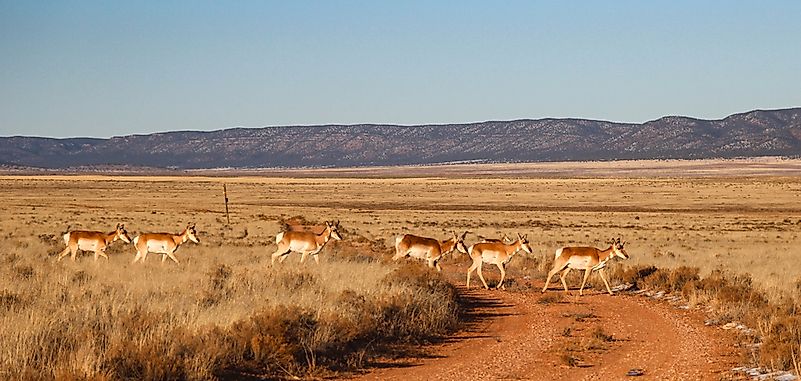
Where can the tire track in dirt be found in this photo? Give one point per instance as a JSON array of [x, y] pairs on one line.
[[513, 336]]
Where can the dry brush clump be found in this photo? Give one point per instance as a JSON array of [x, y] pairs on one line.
[[776, 318], [220, 316]]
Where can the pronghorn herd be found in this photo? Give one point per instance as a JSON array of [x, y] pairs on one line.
[[97, 242], [497, 252]]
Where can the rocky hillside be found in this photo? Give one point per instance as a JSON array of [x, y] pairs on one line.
[[755, 133]]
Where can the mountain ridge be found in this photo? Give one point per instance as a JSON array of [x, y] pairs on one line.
[[754, 133]]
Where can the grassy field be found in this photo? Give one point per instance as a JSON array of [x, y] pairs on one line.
[[108, 319]]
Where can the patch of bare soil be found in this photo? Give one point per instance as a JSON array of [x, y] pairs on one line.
[[531, 336]]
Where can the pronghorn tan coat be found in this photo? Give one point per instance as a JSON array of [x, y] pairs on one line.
[[163, 243], [587, 259], [94, 241], [497, 253], [428, 249], [305, 243]]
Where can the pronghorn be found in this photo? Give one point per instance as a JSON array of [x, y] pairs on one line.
[[497, 253], [92, 241], [428, 249], [587, 259], [163, 243], [304, 243]]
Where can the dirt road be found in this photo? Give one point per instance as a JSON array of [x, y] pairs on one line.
[[520, 336]]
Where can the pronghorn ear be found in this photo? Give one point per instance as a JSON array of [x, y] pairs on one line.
[[464, 235], [520, 237], [337, 224]]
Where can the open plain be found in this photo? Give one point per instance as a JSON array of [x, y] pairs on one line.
[[740, 223]]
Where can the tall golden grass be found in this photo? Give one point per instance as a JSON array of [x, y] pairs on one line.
[[223, 314]]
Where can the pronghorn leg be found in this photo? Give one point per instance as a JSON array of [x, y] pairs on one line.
[[584, 281], [472, 268], [481, 276], [503, 275], [316, 258], [74, 254], [163, 258], [303, 256], [102, 254], [562, 278], [548, 280], [64, 253], [439, 268], [280, 252], [603, 277], [398, 255], [136, 257], [283, 257], [171, 257]]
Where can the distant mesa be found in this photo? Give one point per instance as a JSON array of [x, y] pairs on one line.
[[754, 133]]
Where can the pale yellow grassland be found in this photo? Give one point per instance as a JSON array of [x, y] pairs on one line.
[[737, 224]]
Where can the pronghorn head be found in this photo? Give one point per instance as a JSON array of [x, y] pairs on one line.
[[524, 243], [122, 234], [191, 234], [617, 248], [458, 242], [334, 227]]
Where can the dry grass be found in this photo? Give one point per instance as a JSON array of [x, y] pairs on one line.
[[224, 314], [776, 317], [745, 230]]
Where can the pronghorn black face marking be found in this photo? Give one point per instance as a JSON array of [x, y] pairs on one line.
[[334, 230], [191, 233], [122, 233]]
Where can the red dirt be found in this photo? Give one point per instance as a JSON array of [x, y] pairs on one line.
[[514, 336]]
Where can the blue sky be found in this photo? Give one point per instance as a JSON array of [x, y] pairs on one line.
[[83, 68]]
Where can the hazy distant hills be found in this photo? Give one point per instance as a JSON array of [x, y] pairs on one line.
[[755, 133]]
